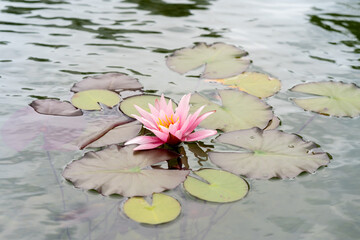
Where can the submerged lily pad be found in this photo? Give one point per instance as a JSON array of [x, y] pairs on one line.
[[221, 60], [90, 99], [239, 110], [163, 209], [55, 107], [220, 186], [120, 170], [143, 101], [26, 126], [257, 84], [331, 98], [110, 81], [268, 154]]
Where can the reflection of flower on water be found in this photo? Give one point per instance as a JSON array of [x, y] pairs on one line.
[[26, 125], [168, 126]]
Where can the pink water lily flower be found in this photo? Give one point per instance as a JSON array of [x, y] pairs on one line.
[[168, 126]]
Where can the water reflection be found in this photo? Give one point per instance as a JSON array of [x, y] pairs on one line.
[[158, 7], [342, 23]]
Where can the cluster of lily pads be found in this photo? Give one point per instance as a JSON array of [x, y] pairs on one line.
[[243, 120]]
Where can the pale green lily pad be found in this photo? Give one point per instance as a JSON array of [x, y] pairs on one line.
[[257, 84], [239, 110], [110, 81], [220, 186], [90, 99], [163, 209], [268, 154], [331, 98], [120, 170], [143, 101], [221, 60]]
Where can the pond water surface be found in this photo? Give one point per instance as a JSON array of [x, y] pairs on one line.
[[46, 46]]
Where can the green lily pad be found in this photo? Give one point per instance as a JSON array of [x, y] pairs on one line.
[[55, 107], [239, 110], [90, 99], [220, 186], [120, 170], [268, 154], [143, 101], [163, 209], [257, 84], [221, 60], [110, 81], [331, 98]]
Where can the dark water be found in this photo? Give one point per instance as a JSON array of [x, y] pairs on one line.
[[46, 46]]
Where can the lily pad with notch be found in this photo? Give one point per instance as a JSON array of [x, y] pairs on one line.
[[90, 99], [268, 154], [123, 171], [162, 209], [109, 81], [330, 98], [108, 130], [219, 186], [257, 84], [221, 60], [143, 101], [239, 110], [55, 107]]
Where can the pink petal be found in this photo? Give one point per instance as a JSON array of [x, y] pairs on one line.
[[154, 111], [160, 134], [200, 135], [169, 109], [146, 114], [197, 122], [182, 110], [149, 125], [147, 146], [192, 119], [144, 140], [162, 102]]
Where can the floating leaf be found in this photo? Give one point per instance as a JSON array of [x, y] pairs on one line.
[[108, 130], [55, 107], [273, 124], [90, 99], [268, 154], [120, 170], [220, 186], [239, 110], [143, 101], [257, 84], [118, 134], [163, 209], [110, 81], [26, 125], [331, 98], [221, 60]]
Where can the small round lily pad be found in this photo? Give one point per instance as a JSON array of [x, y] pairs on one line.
[[143, 101], [90, 99], [330, 98], [162, 209], [218, 186]]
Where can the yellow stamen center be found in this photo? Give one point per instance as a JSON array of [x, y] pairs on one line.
[[167, 121]]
